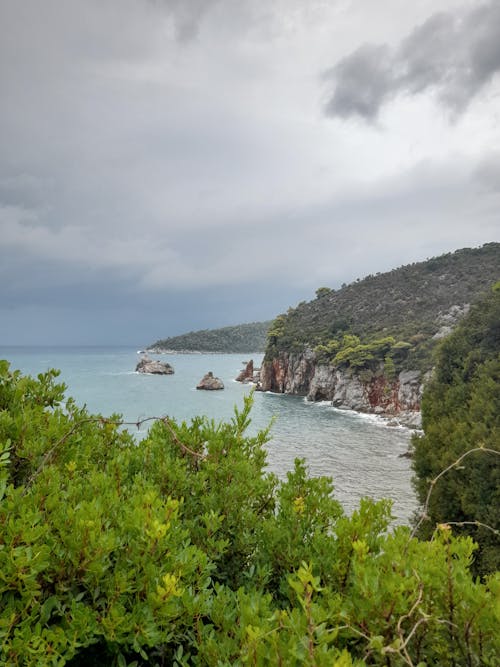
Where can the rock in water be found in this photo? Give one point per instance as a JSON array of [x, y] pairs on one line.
[[210, 382], [154, 367], [246, 374]]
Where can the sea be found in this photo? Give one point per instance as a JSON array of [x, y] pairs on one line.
[[361, 453]]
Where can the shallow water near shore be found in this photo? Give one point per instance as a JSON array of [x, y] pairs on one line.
[[360, 452]]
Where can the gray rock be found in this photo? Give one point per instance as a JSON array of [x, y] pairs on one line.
[[153, 367], [322, 386], [448, 320], [410, 391], [443, 332], [410, 419], [210, 383], [350, 391]]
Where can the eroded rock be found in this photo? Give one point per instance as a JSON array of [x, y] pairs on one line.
[[210, 382], [246, 375], [154, 367]]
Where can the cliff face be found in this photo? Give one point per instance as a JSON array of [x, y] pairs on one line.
[[288, 373], [301, 375], [348, 345]]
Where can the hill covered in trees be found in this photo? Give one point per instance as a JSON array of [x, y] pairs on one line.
[[243, 338], [398, 315], [460, 413]]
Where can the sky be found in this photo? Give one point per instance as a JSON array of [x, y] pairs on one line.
[[174, 165]]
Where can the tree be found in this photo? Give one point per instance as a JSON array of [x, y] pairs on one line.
[[461, 412], [323, 291]]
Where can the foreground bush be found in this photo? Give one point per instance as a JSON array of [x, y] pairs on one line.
[[182, 550]]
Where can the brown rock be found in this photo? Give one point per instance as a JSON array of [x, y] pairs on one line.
[[246, 374], [210, 382]]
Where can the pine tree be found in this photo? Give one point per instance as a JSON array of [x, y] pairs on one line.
[[461, 412]]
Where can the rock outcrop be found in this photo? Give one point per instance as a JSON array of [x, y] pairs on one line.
[[249, 374], [210, 382], [246, 375], [289, 373], [300, 374], [448, 320], [153, 367]]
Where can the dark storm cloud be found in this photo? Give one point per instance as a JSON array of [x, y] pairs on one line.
[[454, 55], [364, 80], [186, 14]]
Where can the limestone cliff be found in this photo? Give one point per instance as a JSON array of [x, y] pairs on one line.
[[300, 374]]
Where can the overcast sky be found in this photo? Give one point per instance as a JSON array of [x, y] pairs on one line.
[[168, 165]]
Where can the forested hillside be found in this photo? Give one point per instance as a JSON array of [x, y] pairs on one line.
[[240, 338], [460, 413], [401, 313]]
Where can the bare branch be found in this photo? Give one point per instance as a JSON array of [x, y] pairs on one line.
[[478, 524], [102, 420], [424, 515]]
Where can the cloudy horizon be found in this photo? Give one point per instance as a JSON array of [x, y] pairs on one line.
[[173, 165]]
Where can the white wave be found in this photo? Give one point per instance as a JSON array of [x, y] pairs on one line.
[[117, 373], [321, 404], [377, 420]]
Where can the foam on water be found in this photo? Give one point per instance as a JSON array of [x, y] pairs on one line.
[[376, 420]]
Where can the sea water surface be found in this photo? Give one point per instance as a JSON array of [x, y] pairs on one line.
[[361, 453]]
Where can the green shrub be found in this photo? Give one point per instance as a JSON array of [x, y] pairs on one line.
[[182, 550]]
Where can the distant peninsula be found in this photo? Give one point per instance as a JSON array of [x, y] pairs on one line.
[[241, 338]]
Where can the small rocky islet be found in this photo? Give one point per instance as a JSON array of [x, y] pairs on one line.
[[249, 374], [210, 383], [150, 366]]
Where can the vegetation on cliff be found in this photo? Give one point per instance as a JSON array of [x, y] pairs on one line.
[[242, 338], [395, 317], [461, 412], [181, 550]]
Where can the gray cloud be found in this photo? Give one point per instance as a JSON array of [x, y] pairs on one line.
[[453, 55], [364, 81], [487, 172], [163, 165], [187, 15]]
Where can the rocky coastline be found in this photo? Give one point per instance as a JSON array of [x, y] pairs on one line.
[[300, 374]]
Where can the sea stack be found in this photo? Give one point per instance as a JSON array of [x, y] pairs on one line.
[[210, 382], [153, 367], [246, 375]]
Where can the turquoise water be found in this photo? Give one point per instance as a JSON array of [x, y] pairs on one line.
[[361, 453]]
